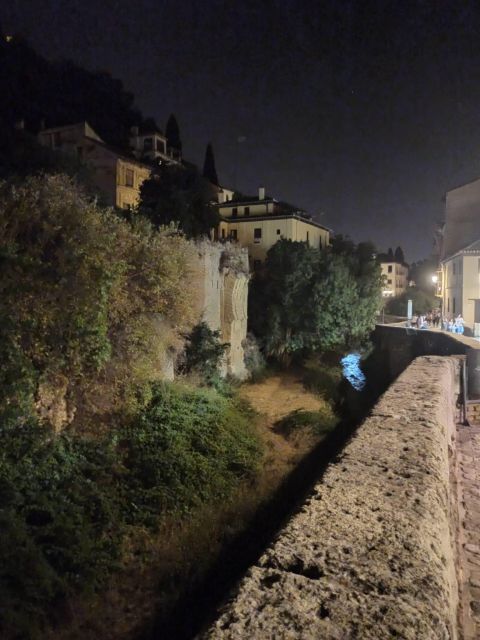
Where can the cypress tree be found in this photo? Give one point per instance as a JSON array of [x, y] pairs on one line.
[[209, 171], [172, 132]]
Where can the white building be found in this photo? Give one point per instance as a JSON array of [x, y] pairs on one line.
[[260, 222], [395, 278]]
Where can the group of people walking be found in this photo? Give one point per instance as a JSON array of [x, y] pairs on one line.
[[434, 319]]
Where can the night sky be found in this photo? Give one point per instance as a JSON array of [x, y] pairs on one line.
[[362, 112]]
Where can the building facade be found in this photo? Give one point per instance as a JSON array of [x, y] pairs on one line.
[[118, 176], [460, 286], [259, 223], [395, 278]]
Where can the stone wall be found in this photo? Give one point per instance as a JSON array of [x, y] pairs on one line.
[[220, 276], [370, 553]]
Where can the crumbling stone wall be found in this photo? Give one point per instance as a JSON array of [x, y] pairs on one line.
[[370, 554], [220, 276]]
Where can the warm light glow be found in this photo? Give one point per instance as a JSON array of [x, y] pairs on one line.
[[434, 279]]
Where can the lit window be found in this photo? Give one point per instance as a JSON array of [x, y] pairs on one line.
[[129, 177]]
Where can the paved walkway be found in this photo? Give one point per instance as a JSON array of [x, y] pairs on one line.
[[468, 479]]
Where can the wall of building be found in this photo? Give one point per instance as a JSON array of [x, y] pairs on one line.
[[129, 195], [273, 230], [396, 278], [462, 218], [370, 554]]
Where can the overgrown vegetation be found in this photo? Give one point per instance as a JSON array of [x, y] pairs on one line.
[[67, 502], [307, 300], [422, 302], [88, 300], [317, 422]]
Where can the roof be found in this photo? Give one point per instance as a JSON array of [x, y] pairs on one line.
[[96, 139], [472, 248]]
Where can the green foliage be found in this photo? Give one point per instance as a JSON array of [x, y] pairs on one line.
[[307, 300], [180, 195], [254, 360], [66, 502], [318, 422], [189, 446], [422, 302], [204, 351], [322, 378], [73, 277]]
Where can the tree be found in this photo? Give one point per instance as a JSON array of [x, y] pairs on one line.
[[172, 132], [306, 300], [209, 170], [180, 195], [390, 256], [422, 302], [399, 257]]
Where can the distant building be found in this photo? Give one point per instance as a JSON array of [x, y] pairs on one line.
[[151, 144], [395, 278], [118, 176], [258, 223]]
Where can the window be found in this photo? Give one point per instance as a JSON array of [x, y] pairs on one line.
[[246, 211], [223, 233], [308, 238], [160, 145], [390, 268], [233, 234], [448, 304], [453, 304], [234, 212], [129, 177], [147, 144], [278, 233], [257, 235]]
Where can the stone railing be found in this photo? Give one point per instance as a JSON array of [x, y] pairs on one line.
[[370, 554]]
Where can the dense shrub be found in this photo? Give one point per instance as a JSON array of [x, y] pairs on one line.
[[317, 422], [67, 501], [188, 446], [204, 351], [73, 277]]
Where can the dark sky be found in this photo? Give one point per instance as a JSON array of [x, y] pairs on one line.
[[362, 112]]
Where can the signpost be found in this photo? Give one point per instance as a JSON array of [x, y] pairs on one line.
[[409, 313]]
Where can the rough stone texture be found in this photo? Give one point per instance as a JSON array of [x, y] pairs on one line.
[[370, 553], [467, 475], [220, 276]]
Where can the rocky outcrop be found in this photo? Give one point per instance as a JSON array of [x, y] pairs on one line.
[[220, 276], [370, 554]]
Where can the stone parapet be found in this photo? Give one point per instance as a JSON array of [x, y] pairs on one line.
[[370, 553]]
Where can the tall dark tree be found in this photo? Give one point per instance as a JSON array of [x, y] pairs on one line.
[[181, 195], [172, 131], [399, 257], [209, 170]]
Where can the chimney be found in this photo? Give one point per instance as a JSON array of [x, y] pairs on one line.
[[261, 193]]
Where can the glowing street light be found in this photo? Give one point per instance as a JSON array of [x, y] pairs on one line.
[[434, 279]]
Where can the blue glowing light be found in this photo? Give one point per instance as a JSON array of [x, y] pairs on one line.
[[352, 371]]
